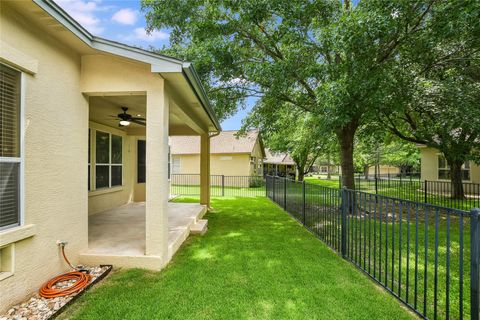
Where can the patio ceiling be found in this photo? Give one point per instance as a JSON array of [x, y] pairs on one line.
[[102, 108]]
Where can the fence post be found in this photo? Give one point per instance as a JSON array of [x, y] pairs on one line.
[[223, 185], [274, 188], [474, 264], [303, 197], [285, 194], [343, 209], [425, 189]]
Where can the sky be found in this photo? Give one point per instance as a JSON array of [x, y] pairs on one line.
[[123, 21]]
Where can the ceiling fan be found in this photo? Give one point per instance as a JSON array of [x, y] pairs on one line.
[[126, 119]]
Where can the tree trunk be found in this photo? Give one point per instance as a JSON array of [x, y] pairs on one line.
[[301, 175], [329, 175], [456, 179], [345, 136], [365, 171]]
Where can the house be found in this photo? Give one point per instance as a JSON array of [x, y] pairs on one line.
[[230, 154], [434, 167], [324, 167], [74, 165], [383, 170], [279, 164]]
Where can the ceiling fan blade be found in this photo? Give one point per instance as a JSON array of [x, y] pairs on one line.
[[138, 122], [137, 118]]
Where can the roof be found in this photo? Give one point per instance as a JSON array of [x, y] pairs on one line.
[[225, 142], [278, 158], [159, 62]]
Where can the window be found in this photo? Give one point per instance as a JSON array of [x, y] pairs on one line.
[[176, 165], [141, 154], [10, 154], [444, 169], [108, 160]]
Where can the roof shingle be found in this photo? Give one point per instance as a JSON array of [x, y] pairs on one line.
[[225, 142]]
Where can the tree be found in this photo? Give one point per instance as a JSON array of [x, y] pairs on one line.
[[290, 131], [435, 87], [376, 147], [325, 57]]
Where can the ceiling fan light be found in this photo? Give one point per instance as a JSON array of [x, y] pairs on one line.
[[124, 123]]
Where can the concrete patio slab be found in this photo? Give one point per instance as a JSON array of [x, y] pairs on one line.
[[118, 233]]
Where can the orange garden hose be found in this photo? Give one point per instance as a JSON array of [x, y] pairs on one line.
[[48, 290]]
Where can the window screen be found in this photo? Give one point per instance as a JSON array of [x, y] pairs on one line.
[[9, 147]]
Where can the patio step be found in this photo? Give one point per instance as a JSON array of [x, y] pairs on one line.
[[200, 227]]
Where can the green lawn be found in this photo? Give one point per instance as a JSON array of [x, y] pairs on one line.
[[255, 262], [403, 189], [218, 191]]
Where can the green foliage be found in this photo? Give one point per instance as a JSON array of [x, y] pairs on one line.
[[290, 131], [342, 64], [256, 182]]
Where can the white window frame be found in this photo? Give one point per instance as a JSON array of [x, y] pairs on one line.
[[21, 159], [109, 165], [448, 167]]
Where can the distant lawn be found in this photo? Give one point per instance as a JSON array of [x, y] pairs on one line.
[[255, 262], [333, 183], [408, 189]]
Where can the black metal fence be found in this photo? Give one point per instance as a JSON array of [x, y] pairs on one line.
[[427, 256], [220, 185], [414, 189]]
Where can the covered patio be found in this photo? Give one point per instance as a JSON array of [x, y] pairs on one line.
[[130, 221]]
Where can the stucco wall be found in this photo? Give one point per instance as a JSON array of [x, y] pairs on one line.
[[56, 122], [384, 169], [429, 166], [220, 164]]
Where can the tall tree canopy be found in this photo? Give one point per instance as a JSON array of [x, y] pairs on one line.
[[326, 57], [435, 91]]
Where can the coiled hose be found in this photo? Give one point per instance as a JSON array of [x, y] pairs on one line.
[[82, 279]]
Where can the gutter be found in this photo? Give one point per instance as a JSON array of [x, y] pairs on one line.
[[195, 83]]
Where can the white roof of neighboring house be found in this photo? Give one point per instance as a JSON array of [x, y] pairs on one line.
[[225, 142], [278, 158]]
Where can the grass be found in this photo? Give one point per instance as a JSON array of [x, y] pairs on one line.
[[218, 191], [255, 262], [380, 256], [403, 189]]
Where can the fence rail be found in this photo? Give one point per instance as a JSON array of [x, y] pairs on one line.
[[220, 185], [414, 189], [425, 255]]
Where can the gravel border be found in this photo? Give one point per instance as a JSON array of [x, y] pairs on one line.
[[39, 308]]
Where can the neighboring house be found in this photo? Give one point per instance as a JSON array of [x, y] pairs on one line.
[[384, 170], [324, 167], [64, 158], [434, 167], [230, 155], [279, 164]]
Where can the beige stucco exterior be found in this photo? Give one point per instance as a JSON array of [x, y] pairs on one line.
[[61, 73], [228, 164], [384, 169], [56, 120], [429, 166]]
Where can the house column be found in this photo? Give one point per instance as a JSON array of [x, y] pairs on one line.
[[157, 189], [205, 169]]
